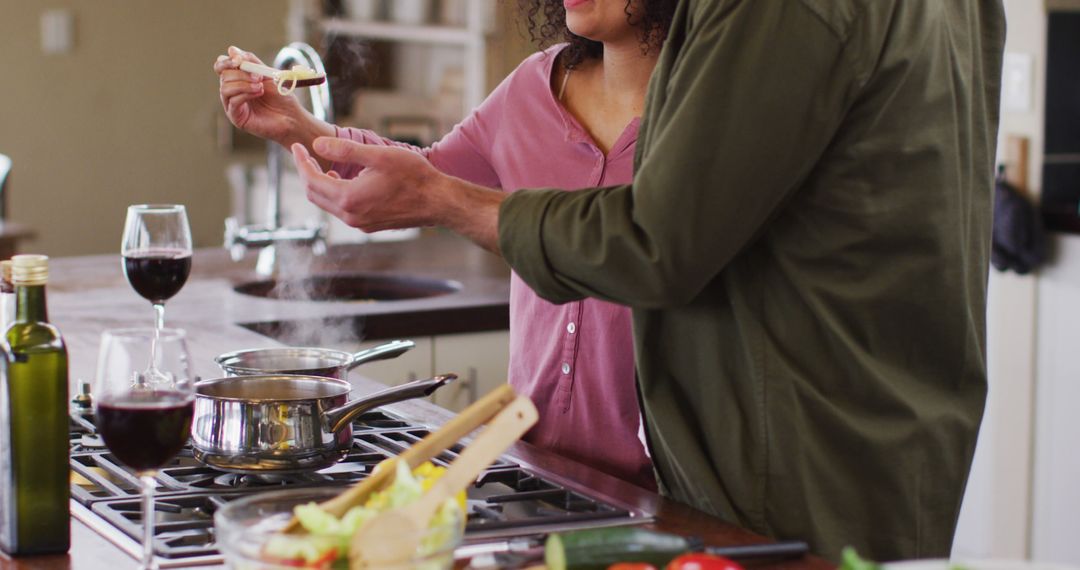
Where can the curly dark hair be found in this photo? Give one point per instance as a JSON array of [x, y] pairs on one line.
[[545, 21]]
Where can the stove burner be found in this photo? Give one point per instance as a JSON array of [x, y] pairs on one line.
[[507, 500]]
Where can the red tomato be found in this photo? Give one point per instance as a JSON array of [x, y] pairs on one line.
[[631, 566], [324, 561], [699, 561]]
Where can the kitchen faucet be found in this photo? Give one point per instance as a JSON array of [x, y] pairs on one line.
[[268, 237]]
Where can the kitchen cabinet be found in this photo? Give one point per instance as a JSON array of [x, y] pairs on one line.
[[479, 359]]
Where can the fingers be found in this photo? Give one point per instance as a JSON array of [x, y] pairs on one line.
[[319, 185], [247, 89], [237, 87], [228, 66], [224, 62], [325, 204], [306, 165], [239, 55], [234, 107]]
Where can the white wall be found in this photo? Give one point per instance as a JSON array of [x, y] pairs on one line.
[[1024, 496], [1056, 514], [994, 521], [1056, 493]]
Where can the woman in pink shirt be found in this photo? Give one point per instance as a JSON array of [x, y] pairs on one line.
[[567, 117]]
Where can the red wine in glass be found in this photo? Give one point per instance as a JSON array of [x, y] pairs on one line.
[[156, 249], [157, 274], [144, 410], [145, 430]]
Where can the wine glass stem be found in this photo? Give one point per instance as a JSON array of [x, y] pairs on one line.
[[147, 480], [159, 323], [159, 316]]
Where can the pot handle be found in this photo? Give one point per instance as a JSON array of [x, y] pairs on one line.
[[392, 349], [337, 418]]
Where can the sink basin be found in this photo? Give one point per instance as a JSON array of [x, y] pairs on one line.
[[349, 287]]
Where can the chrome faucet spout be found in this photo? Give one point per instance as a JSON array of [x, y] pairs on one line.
[[239, 238]]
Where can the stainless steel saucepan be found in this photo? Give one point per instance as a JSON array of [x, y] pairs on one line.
[[306, 361], [280, 423]]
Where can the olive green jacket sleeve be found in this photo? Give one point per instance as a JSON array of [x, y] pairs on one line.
[[737, 122]]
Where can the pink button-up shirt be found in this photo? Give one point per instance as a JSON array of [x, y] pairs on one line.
[[576, 361]]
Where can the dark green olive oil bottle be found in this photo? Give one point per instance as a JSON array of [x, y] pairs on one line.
[[34, 471]]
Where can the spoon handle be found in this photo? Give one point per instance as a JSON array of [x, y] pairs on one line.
[[499, 434], [477, 414], [393, 536], [264, 70]]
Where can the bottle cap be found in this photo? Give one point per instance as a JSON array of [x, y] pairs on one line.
[[30, 269]]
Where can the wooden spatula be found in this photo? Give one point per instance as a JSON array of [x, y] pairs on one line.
[[477, 414], [392, 537]]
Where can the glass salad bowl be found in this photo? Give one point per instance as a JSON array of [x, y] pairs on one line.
[[248, 537]]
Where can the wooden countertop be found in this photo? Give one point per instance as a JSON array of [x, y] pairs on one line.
[[89, 294]]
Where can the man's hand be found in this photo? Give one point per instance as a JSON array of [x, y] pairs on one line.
[[397, 188]]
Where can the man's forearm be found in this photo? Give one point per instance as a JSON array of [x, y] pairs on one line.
[[469, 210]]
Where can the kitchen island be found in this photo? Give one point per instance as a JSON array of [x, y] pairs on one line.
[[89, 294]]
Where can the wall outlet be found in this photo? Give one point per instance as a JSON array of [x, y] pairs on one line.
[[1016, 83], [57, 32]]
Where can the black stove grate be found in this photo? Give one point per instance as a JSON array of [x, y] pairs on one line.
[[506, 499]]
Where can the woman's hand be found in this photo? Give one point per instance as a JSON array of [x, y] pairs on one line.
[[253, 104]]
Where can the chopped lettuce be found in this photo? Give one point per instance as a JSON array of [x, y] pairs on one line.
[[328, 536], [310, 550], [850, 560]]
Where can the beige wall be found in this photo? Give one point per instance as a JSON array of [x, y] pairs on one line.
[[128, 116]]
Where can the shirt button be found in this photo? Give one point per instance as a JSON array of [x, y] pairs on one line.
[[565, 367], [570, 328]]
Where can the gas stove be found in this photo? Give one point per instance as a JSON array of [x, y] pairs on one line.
[[509, 499]]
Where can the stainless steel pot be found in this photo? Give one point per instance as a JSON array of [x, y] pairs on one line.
[[284, 423], [306, 361]]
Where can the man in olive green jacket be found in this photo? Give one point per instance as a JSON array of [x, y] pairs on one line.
[[805, 249]]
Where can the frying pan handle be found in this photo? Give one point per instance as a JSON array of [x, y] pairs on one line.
[[337, 418], [386, 351]]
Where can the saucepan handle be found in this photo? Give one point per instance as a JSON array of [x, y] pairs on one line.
[[337, 418], [392, 349]]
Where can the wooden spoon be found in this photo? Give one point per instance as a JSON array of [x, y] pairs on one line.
[[477, 414], [392, 537]]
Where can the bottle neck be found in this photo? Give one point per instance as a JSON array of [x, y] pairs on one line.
[[30, 304]]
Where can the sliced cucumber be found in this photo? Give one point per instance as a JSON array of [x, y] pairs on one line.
[[602, 547]]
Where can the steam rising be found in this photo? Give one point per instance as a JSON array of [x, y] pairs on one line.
[[350, 65], [296, 263]]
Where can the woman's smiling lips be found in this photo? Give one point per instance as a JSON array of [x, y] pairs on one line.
[[570, 4]]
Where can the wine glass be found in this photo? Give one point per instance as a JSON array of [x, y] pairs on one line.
[[145, 419], [157, 253]]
